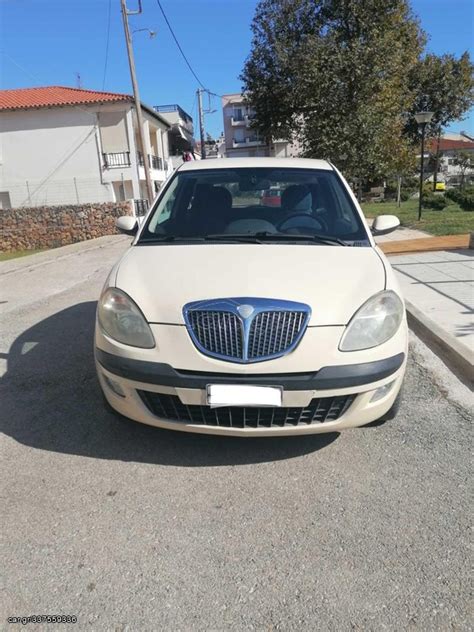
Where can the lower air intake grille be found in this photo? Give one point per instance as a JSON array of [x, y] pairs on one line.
[[319, 410]]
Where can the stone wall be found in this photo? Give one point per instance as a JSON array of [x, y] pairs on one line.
[[29, 228]]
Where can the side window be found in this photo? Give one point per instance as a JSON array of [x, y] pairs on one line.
[[344, 209], [166, 205]]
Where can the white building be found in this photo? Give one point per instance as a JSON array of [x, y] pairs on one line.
[[62, 145], [450, 146], [181, 133], [243, 141]]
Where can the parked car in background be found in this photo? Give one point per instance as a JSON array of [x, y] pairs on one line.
[[271, 197], [236, 319]]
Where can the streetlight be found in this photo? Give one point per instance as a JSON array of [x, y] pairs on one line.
[[422, 118], [151, 33]]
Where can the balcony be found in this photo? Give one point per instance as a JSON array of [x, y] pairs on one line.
[[237, 142], [238, 121], [116, 160], [250, 141], [253, 141], [241, 121], [154, 162]]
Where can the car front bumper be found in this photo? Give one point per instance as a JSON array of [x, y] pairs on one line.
[[126, 380]]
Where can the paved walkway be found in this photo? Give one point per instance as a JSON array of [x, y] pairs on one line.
[[400, 234], [440, 287]]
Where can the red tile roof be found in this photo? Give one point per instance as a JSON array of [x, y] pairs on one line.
[[53, 96], [446, 144]]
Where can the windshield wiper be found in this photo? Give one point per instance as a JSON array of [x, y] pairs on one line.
[[163, 239], [320, 239], [262, 236], [244, 238]]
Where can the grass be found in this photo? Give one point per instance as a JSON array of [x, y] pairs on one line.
[[5, 256], [451, 221]]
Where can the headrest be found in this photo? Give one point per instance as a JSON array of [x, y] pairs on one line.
[[297, 197]]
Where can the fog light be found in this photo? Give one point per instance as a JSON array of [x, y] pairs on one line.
[[114, 386], [381, 392]]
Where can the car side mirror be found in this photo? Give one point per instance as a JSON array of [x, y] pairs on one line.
[[384, 224], [127, 224]]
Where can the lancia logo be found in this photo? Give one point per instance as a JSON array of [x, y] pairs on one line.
[[245, 310]]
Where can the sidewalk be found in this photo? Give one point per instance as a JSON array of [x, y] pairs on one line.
[[438, 288]]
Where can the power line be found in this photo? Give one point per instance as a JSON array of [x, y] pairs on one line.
[[107, 46], [40, 82], [179, 46]]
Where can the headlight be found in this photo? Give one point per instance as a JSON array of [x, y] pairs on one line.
[[122, 320], [374, 323]]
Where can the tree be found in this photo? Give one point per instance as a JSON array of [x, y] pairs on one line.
[[464, 161], [335, 75], [443, 85]]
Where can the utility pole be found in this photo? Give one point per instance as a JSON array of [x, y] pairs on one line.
[[201, 123], [136, 96]]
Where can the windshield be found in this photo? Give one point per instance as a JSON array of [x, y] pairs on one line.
[[285, 205]]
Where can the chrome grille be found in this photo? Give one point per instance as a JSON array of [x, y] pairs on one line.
[[219, 332], [318, 411], [246, 329], [273, 332]]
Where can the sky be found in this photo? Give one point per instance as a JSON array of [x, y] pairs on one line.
[[47, 42]]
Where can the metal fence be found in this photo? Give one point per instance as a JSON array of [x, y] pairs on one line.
[[117, 159], [141, 206]]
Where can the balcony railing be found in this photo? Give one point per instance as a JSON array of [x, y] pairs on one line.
[[116, 160], [141, 207], [254, 140], [250, 140], [245, 119], [238, 120], [155, 162]]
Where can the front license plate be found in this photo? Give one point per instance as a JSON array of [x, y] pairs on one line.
[[241, 395]]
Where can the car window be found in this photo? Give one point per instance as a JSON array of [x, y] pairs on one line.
[[236, 201]]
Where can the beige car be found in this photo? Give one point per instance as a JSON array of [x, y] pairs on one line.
[[228, 316]]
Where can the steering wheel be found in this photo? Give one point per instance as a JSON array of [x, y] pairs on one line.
[[318, 223]]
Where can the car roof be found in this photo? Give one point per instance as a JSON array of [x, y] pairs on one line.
[[275, 163]]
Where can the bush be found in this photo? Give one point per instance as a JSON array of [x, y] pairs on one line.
[[465, 198], [453, 194], [467, 202], [428, 188], [434, 202]]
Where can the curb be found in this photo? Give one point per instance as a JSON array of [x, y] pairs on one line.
[[456, 355], [55, 254]]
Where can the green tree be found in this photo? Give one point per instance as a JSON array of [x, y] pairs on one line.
[[443, 85], [464, 161], [335, 75]]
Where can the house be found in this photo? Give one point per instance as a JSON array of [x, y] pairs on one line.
[[450, 146], [62, 145], [181, 133], [241, 140]]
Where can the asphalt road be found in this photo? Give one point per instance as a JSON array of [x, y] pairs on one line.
[[135, 528]]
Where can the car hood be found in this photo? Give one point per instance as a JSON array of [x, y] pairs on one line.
[[333, 280]]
